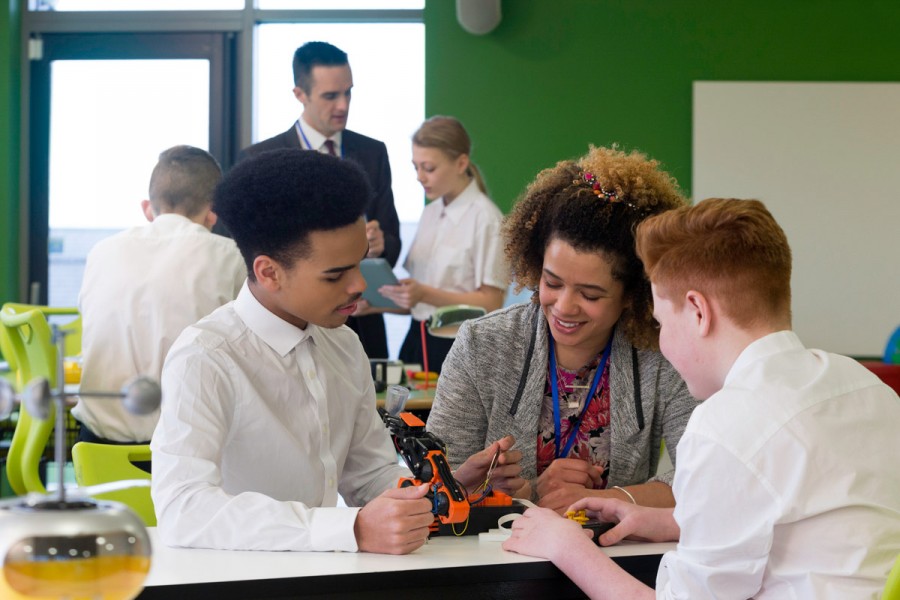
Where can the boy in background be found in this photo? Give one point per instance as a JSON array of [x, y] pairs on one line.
[[143, 286]]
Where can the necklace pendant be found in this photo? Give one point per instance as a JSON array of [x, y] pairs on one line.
[[574, 403]]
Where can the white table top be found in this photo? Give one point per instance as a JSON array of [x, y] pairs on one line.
[[179, 566]]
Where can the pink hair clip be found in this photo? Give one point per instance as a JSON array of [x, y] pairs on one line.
[[598, 189], [601, 192]]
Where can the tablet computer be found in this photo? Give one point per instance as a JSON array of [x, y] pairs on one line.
[[377, 273]]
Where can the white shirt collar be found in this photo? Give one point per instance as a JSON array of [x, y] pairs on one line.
[[172, 221], [455, 210], [316, 140], [277, 333], [774, 343]]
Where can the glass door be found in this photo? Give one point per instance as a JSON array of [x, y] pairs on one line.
[[103, 107]]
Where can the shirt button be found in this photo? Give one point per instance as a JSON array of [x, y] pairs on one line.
[[310, 374]]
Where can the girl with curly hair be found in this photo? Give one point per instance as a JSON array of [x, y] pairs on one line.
[[575, 375]]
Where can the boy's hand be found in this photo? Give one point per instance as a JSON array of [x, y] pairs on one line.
[[633, 522], [396, 522], [543, 533], [504, 477]]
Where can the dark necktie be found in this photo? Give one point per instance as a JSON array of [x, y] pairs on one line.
[[329, 145]]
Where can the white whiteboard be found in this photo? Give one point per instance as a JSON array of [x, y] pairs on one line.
[[825, 159]]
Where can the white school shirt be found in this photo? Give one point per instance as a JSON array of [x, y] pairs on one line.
[[787, 483], [141, 288], [262, 425], [458, 247]]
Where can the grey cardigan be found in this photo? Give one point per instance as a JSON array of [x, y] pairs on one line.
[[493, 380]]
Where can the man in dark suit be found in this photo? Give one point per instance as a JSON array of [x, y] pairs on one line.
[[323, 82]]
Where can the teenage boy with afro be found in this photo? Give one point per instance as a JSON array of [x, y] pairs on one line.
[[269, 409], [787, 483]]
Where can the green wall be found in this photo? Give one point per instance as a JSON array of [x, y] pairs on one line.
[[9, 151], [557, 75]]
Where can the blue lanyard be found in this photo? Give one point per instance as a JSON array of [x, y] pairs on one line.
[[306, 141], [554, 389]]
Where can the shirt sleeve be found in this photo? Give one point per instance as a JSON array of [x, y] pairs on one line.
[[192, 508], [727, 517], [490, 263], [677, 409], [372, 465]]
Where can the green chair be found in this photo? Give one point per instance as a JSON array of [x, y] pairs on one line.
[[7, 426], [104, 463], [892, 587], [71, 327], [72, 330], [30, 342], [6, 351]]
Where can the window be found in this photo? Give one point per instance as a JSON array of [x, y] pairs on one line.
[[108, 94], [339, 4], [134, 5]]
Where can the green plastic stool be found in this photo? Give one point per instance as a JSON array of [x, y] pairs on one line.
[[104, 463], [892, 587]]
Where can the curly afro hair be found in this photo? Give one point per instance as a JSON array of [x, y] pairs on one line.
[[272, 201], [560, 205]]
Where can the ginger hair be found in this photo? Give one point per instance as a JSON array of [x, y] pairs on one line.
[[727, 249]]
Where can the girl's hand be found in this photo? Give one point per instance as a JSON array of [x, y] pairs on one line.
[[406, 295]]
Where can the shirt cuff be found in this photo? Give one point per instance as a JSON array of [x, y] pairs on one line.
[[331, 528]]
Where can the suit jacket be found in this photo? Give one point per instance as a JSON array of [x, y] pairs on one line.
[[371, 155]]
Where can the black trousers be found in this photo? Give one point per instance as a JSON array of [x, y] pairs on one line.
[[372, 334]]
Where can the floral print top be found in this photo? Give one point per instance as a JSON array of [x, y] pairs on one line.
[[592, 440]]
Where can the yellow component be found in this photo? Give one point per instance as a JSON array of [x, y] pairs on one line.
[[579, 516], [95, 578], [72, 370], [422, 375]]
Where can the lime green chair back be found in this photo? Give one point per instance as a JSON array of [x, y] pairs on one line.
[[103, 463], [6, 351], [28, 335], [71, 327], [892, 587], [73, 335]]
